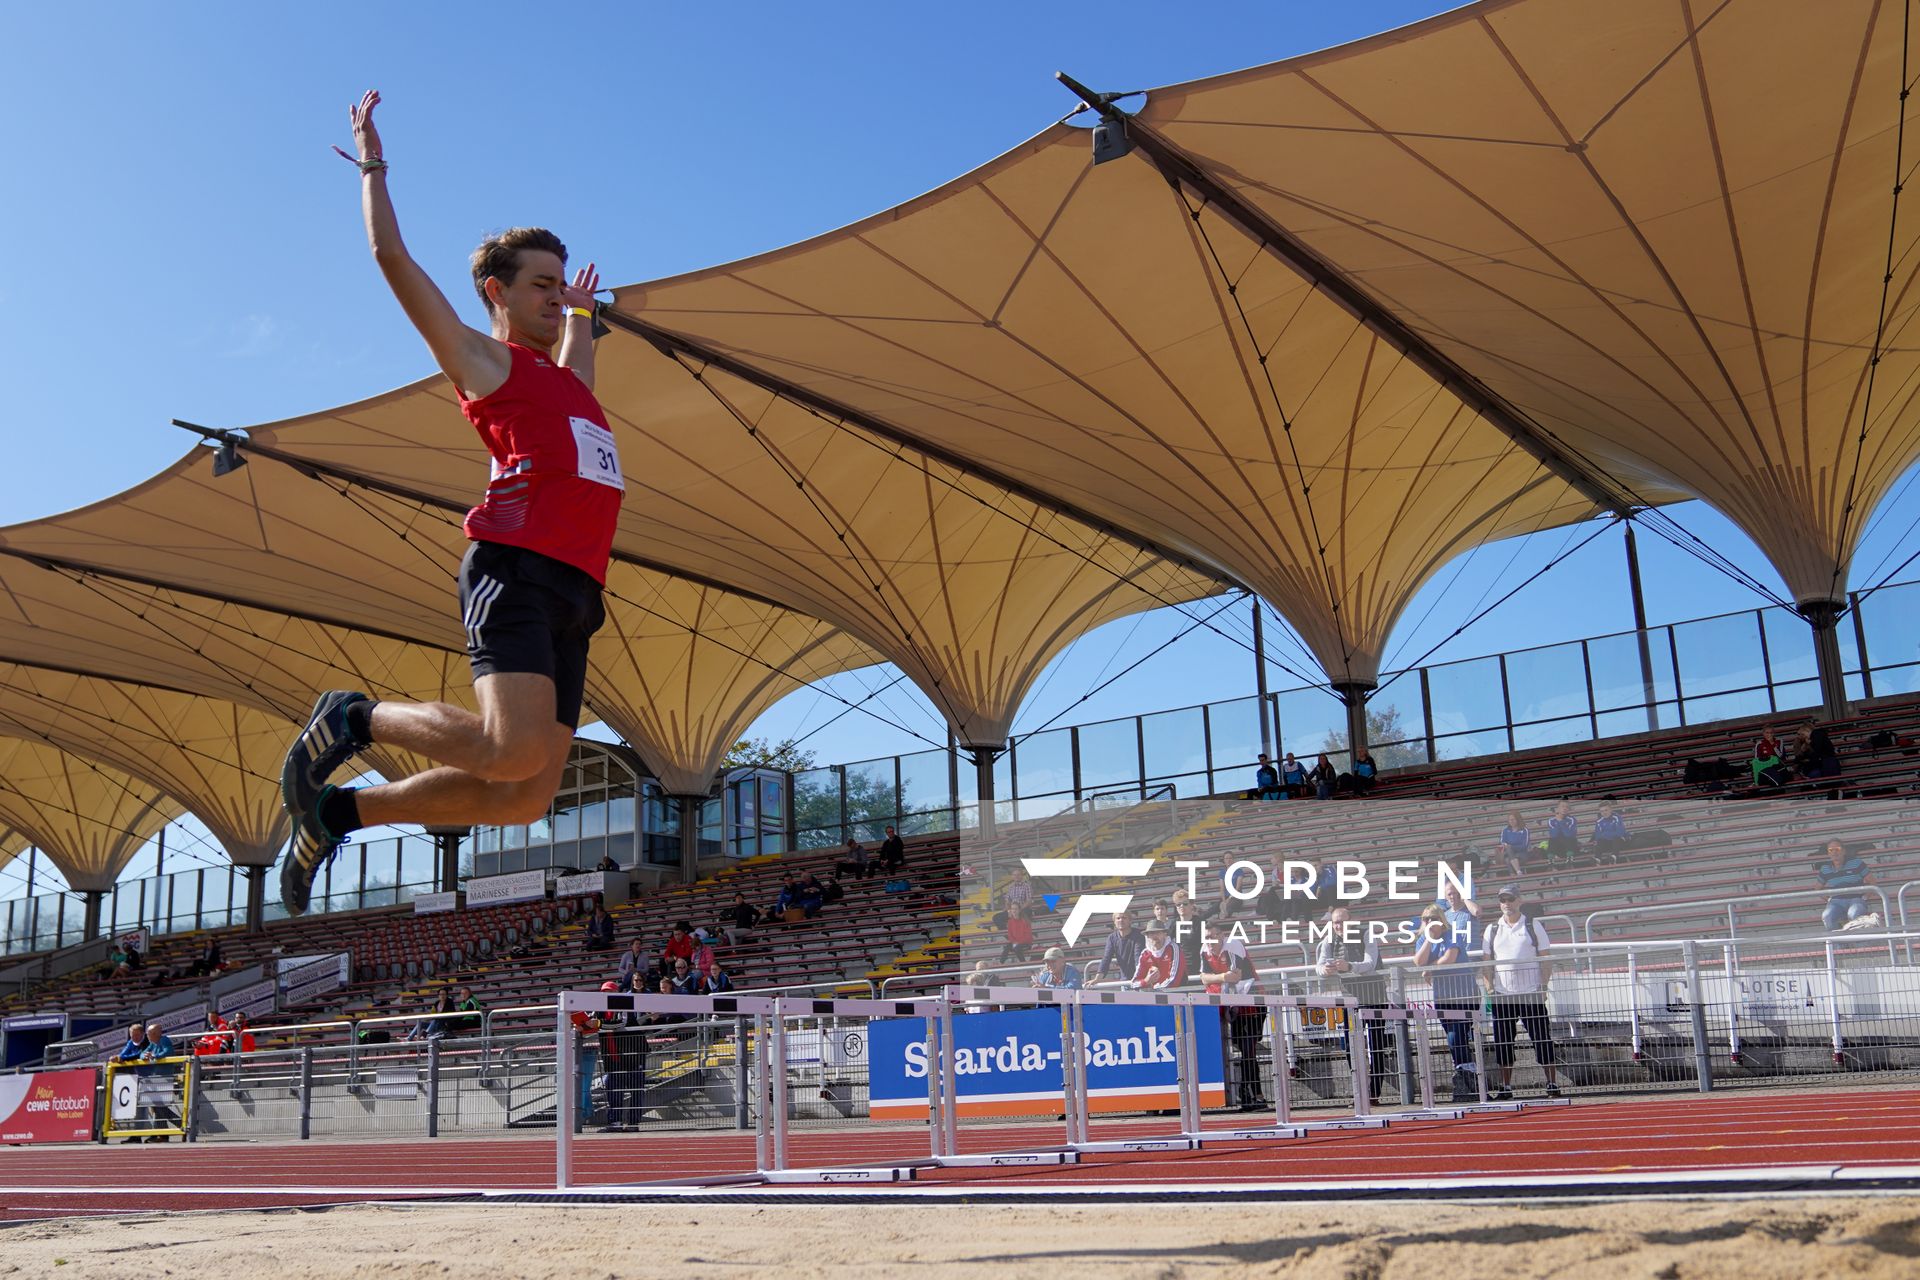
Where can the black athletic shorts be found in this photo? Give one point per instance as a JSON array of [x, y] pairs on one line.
[[525, 612]]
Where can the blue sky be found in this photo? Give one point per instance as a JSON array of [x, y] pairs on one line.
[[201, 252]]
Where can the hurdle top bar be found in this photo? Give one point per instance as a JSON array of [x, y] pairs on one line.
[[1187, 999], [629, 1002]]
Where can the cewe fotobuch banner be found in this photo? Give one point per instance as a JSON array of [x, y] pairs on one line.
[[1008, 1063], [47, 1106]]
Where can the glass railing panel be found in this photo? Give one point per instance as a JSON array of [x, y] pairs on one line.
[[1043, 763], [1175, 744], [1720, 655], [1547, 684], [1466, 698], [1109, 754]]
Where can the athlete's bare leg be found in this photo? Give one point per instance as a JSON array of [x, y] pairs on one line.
[[504, 763]]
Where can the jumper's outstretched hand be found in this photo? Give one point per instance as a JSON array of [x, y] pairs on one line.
[[586, 281], [366, 139]]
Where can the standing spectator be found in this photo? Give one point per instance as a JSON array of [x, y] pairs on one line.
[[1355, 968], [1187, 926], [1841, 871], [600, 929], [633, 960], [1443, 952], [586, 1030], [739, 920], [1056, 973], [623, 1047], [1019, 890], [1160, 966], [134, 1050], [1019, 943], [1513, 843], [853, 859], [1563, 834], [1519, 949], [207, 962], [1609, 833], [1121, 956], [893, 852], [159, 1048], [1293, 775], [1322, 777], [1246, 1024], [1266, 781]]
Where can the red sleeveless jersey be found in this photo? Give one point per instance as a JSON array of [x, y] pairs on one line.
[[556, 485]]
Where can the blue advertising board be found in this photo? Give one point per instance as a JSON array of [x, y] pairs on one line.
[[1008, 1063]]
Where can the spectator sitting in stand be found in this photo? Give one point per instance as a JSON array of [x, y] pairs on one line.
[[853, 859], [1361, 774], [1293, 776], [242, 1038], [702, 956], [1563, 835], [813, 895], [208, 961], [117, 966], [893, 852], [1160, 966], [135, 960], [679, 946], [685, 982], [1121, 955], [1322, 777], [1056, 973], [1019, 944], [214, 1040], [1841, 870], [1266, 780], [714, 979], [1609, 833], [1814, 755], [433, 1028], [606, 863], [1513, 843], [789, 899], [831, 891], [600, 929], [1768, 769], [633, 960], [739, 920]]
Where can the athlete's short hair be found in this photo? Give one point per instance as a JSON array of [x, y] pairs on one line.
[[499, 255]]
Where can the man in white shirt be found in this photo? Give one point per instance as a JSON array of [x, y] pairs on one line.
[[1518, 947]]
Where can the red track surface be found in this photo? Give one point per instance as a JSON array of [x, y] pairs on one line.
[[1858, 1128]]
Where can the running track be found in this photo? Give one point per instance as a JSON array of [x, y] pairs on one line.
[[1859, 1129]]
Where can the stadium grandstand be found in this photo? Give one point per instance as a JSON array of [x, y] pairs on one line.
[[1302, 336]]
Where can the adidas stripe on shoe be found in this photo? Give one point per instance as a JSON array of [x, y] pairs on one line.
[[323, 746]]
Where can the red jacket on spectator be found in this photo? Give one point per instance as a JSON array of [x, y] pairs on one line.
[[1166, 968], [679, 947]]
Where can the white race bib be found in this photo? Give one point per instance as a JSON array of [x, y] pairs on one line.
[[599, 459]]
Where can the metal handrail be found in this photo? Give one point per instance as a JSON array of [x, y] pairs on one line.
[[1731, 907]]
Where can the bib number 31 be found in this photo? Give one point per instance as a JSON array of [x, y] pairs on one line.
[[599, 459]]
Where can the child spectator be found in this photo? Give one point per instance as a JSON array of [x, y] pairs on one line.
[[1019, 945]]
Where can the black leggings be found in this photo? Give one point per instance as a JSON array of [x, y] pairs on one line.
[[1531, 1010]]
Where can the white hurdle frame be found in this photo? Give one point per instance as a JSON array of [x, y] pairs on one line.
[[768, 1137], [768, 1076]]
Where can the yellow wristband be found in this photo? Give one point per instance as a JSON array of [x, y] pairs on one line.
[[580, 311]]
